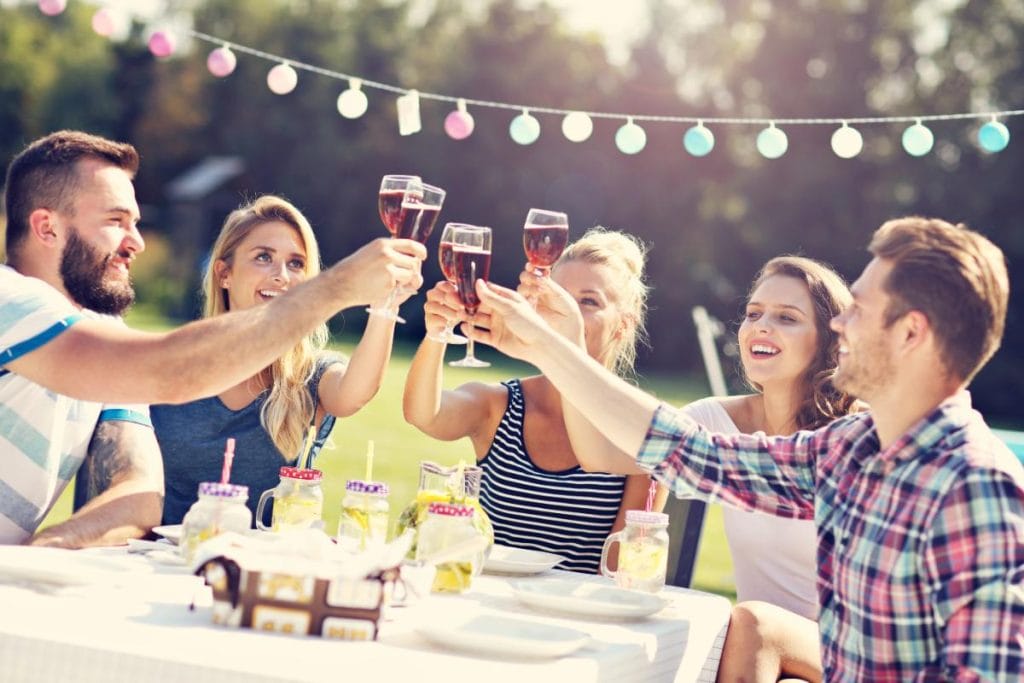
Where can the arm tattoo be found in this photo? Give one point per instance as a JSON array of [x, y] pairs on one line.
[[118, 450]]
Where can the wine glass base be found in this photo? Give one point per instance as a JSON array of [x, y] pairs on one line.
[[385, 313], [470, 362]]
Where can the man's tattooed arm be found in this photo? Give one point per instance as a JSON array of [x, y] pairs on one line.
[[120, 489]]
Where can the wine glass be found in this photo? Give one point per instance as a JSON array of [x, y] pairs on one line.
[[545, 235], [471, 249], [409, 209], [446, 256]]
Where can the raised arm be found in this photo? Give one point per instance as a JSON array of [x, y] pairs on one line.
[[445, 414], [346, 387], [559, 309], [98, 361], [124, 482], [623, 412]]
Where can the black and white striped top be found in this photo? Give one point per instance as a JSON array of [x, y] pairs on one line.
[[569, 512]]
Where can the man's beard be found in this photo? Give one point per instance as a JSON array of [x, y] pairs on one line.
[[84, 272]]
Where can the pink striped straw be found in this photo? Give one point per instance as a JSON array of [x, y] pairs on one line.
[[653, 489], [229, 455]]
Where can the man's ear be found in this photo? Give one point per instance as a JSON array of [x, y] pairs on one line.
[[915, 330], [43, 226]]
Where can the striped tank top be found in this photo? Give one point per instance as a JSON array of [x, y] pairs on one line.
[[569, 513]]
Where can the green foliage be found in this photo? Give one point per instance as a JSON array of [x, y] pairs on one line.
[[711, 221]]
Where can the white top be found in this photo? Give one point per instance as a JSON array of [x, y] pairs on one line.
[[774, 558], [44, 437]]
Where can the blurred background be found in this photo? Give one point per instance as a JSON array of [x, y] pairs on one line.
[[209, 143]]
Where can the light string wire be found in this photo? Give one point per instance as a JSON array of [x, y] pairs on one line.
[[658, 118]]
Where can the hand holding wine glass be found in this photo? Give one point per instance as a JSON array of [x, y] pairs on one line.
[[554, 303], [408, 208], [545, 235], [471, 248], [446, 257]]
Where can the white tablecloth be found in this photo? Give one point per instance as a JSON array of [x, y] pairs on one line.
[[146, 632]]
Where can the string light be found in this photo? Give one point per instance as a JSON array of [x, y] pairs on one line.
[[993, 136], [282, 79], [221, 62], [52, 8], [459, 124], [524, 129], [698, 140], [577, 125], [103, 22], [162, 44], [772, 143], [918, 139], [847, 142], [630, 138], [352, 103]]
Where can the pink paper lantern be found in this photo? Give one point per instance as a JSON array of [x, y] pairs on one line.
[[221, 62], [103, 22], [459, 124], [161, 44], [52, 8]]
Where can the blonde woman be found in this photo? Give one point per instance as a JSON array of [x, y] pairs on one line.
[[534, 490], [265, 248]]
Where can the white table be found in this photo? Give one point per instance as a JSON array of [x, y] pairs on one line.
[[147, 633]]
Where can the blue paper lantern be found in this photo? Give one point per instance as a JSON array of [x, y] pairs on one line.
[[630, 138], [699, 141], [993, 136], [772, 143], [918, 140], [524, 129]]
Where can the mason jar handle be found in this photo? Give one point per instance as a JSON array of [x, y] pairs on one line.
[[613, 538], [264, 497]]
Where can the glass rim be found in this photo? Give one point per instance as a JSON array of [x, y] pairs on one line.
[[548, 212], [465, 227]]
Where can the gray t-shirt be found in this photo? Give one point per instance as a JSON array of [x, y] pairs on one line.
[[192, 437]]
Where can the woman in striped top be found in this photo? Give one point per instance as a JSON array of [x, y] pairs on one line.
[[536, 493]]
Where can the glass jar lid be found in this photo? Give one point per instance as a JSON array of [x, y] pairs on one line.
[[300, 473], [649, 518], [374, 488]]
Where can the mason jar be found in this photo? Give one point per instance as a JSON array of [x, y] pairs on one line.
[[643, 551], [219, 508], [298, 501], [364, 515]]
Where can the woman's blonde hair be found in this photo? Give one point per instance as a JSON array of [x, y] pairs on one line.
[[626, 256], [289, 409], [830, 296]]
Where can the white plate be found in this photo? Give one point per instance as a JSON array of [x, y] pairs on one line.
[[506, 560], [587, 599], [57, 566], [488, 634], [172, 532]]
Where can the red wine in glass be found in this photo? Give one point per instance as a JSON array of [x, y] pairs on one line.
[[544, 243], [416, 221], [389, 203], [470, 265], [446, 257]]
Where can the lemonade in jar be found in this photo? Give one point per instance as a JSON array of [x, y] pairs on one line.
[[364, 515], [218, 509], [298, 501], [459, 485], [643, 551]]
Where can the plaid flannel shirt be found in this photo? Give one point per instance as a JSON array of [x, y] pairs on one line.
[[920, 545]]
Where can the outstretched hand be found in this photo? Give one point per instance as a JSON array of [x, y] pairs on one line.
[[442, 306], [507, 321], [383, 264], [553, 303]]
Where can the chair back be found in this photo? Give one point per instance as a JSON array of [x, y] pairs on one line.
[[685, 523]]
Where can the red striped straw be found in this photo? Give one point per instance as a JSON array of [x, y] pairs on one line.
[[650, 495], [229, 455]]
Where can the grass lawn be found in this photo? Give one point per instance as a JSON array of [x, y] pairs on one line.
[[399, 447]]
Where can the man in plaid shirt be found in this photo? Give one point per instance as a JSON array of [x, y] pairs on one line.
[[919, 508]]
